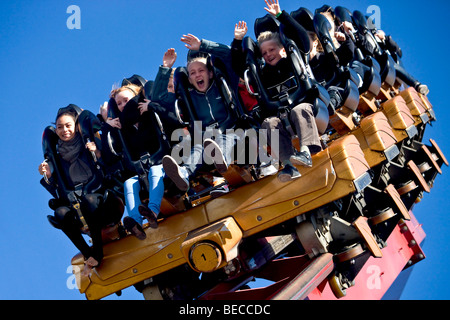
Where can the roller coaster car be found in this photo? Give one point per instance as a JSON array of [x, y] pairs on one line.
[[88, 126], [208, 237], [341, 207], [319, 213], [322, 227]]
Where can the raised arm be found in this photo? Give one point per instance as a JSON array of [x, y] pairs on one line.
[[237, 54], [218, 50], [214, 48], [169, 58], [160, 92], [293, 30]]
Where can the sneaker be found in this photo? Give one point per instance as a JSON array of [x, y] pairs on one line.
[[216, 155], [267, 170], [174, 172], [301, 158], [288, 173], [149, 215], [134, 228], [219, 191]]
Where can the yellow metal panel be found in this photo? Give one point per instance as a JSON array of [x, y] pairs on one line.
[[378, 132], [224, 234], [399, 116], [255, 207], [427, 104], [413, 101], [398, 113], [348, 158], [375, 136]]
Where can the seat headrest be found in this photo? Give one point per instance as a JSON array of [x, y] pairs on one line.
[[130, 113], [148, 89], [180, 78], [342, 14], [88, 124], [304, 17], [322, 27], [360, 21], [325, 8], [71, 108], [266, 23], [113, 110], [134, 79]]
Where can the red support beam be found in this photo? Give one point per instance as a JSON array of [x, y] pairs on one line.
[[402, 251]]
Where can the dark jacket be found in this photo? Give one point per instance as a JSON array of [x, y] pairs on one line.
[[138, 131], [164, 101], [209, 106]]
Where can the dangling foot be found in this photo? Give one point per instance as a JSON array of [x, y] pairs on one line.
[[133, 227], [266, 169], [89, 264], [302, 158], [174, 172], [149, 215], [219, 191], [288, 173]]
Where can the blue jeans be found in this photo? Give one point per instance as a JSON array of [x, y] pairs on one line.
[[156, 192]]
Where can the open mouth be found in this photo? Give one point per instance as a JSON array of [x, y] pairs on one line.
[[200, 84]]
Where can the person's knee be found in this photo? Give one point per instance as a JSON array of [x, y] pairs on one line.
[[270, 123], [61, 213], [92, 202], [93, 199], [303, 110]]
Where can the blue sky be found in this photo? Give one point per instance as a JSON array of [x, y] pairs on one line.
[[45, 66]]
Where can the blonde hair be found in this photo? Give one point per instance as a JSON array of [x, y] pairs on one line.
[[197, 59], [132, 87], [269, 35]]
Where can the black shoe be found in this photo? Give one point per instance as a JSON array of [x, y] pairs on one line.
[[216, 152], [54, 222], [288, 173], [149, 215], [173, 171], [302, 158], [134, 228]]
